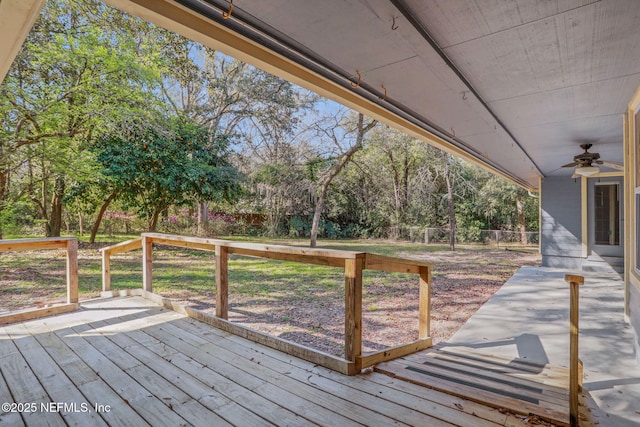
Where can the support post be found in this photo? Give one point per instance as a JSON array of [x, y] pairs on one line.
[[106, 271], [574, 362], [424, 313], [147, 260], [222, 282], [72, 271], [353, 309]]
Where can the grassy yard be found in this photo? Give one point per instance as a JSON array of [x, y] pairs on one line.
[[299, 302]]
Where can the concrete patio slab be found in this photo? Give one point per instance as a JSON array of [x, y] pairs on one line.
[[529, 318]]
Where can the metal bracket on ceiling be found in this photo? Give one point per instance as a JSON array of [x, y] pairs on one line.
[[357, 84], [227, 14], [383, 97]]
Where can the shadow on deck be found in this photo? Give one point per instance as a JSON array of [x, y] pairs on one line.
[[538, 391], [128, 361]]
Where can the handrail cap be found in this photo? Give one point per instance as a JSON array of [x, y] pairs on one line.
[[573, 278]]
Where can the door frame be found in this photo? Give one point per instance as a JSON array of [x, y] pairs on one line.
[[588, 210]]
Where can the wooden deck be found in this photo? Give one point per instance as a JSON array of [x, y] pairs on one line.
[[520, 385], [126, 361]]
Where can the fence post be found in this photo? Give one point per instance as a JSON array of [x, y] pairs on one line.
[[426, 236], [353, 309], [147, 260], [72, 271], [424, 311], [222, 282], [574, 362], [106, 271]]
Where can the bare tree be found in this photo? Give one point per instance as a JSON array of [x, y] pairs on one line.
[[342, 159]]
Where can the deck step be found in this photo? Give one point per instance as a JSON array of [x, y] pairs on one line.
[[514, 385]]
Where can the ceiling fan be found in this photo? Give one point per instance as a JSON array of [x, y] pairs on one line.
[[584, 163]]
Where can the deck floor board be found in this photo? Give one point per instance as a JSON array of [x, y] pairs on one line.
[[153, 366], [513, 384]]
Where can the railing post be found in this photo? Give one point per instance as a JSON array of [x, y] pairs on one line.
[[106, 271], [147, 260], [574, 362], [424, 313], [353, 309], [72, 271], [222, 282]]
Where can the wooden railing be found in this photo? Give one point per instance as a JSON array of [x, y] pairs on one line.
[[70, 244], [575, 365], [353, 264]]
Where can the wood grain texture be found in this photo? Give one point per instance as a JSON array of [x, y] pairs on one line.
[[353, 310], [222, 282], [155, 366]]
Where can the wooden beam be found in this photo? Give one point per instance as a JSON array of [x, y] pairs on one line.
[[185, 242], [395, 265], [393, 352], [14, 245], [37, 313], [106, 271], [72, 271], [424, 312], [353, 309], [222, 282], [321, 256], [574, 363], [121, 247], [147, 264], [306, 259]]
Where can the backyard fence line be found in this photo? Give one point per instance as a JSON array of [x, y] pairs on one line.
[[441, 235]]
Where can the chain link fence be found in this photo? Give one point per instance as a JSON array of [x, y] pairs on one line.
[[441, 236]]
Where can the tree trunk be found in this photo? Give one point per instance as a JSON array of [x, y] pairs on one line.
[[103, 209], [154, 220], [521, 220], [55, 220], [318, 212], [342, 162], [450, 201], [203, 218]]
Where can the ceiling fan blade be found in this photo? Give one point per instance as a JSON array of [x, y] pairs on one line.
[[570, 165], [613, 165], [575, 176]]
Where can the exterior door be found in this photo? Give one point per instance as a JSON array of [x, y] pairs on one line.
[[606, 218]]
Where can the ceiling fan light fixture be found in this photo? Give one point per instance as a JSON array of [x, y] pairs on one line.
[[587, 170]]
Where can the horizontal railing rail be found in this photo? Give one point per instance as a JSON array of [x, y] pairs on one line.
[[70, 245], [107, 252], [352, 262]]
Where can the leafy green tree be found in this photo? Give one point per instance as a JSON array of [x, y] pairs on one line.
[[253, 108], [74, 76], [506, 205], [155, 167]]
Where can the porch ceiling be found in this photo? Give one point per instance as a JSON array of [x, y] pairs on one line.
[[516, 85]]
